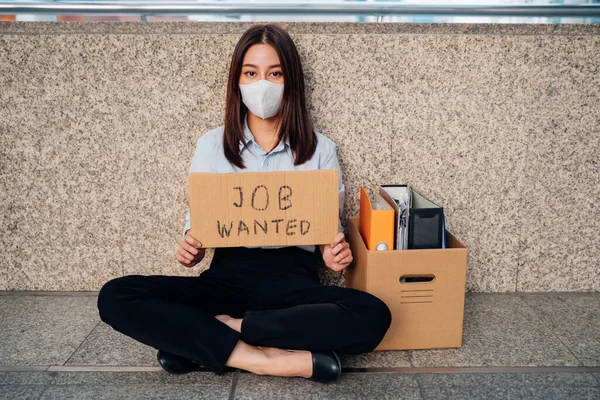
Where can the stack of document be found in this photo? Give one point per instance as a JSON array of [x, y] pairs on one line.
[[415, 221]]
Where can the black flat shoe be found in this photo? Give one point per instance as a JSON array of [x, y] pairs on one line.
[[174, 364], [326, 366]]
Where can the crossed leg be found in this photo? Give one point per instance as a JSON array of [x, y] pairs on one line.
[[188, 316]]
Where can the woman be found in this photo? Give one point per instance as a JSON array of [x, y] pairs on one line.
[[261, 309]]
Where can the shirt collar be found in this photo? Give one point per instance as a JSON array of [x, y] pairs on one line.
[[250, 138]]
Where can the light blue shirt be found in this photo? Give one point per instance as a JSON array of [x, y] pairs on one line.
[[209, 157]]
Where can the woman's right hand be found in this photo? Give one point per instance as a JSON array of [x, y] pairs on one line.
[[190, 251]]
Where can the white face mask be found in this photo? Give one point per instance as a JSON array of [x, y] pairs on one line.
[[262, 98]]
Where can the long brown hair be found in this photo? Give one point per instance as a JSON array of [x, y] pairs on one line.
[[295, 122]]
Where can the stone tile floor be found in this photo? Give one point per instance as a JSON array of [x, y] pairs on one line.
[[515, 346]]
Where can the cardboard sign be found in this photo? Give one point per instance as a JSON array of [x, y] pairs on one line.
[[280, 208]]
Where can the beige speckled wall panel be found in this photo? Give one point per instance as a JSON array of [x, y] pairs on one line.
[[562, 170], [459, 139], [98, 123]]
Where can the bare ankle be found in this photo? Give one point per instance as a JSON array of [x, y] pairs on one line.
[[270, 360], [236, 323], [247, 357], [287, 363], [233, 323]]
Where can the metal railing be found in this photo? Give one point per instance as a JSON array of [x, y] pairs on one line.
[[109, 7]]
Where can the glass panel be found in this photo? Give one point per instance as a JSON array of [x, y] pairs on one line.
[[372, 11]]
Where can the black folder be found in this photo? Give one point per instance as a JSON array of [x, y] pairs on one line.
[[426, 225]]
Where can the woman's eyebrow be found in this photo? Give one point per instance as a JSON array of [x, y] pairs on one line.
[[270, 66]]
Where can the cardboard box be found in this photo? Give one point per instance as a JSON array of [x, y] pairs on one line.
[[277, 208], [425, 315]]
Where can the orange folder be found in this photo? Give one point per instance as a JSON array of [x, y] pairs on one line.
[[376, 221]]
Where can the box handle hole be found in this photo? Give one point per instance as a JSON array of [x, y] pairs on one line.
[[417, 278]]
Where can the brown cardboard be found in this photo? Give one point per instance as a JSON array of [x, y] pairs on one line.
[[264, 208], [425, 315]]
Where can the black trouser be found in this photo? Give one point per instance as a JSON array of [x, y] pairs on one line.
[[276, 291]]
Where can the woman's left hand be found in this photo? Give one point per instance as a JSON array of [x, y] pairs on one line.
[[337, 254]]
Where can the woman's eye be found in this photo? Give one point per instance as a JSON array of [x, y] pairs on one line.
[[252, 72]]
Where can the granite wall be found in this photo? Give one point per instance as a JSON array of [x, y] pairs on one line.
[[497, 123]]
